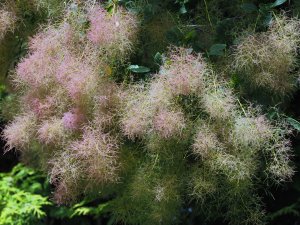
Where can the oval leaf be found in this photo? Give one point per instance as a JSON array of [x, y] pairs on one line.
[[249, 7], [278, 3], [138, 69], [294, 123], [217, 49]]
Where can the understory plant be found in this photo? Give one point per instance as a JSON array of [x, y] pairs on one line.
[[21, 203], [25, 201], [180, 139]]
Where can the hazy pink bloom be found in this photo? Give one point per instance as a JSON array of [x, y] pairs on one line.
[[179, 83], [112, 31], [169, 123], [102, 28], [103, 100], [251, 131], [73, 119], [185, 73], [65, 173], [138, 113], [46, 51], [52, 40], [18, 133], [42, 107], [52, 132], [35, 70], [75, 76], [219, 103], [136, 125], [99, 152]]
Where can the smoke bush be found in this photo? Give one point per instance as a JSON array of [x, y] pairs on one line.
[[155, 146], [7, 21], [232, 143], [66, 100], [19, 132], [267, 60], [52, 131], [109, 31]]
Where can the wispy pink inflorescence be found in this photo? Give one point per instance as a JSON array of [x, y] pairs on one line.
[[36, 70], [99, 152], [46, 50], [116, 30], [52, 132], [102, 29], [76, 76], [18, 133], [185, 74], [52, 40], [42, 108], [65, 173], [65, 92], [206, 142], [251, 131], [136, 126], [73, 119], [219, 102], [169, 123]]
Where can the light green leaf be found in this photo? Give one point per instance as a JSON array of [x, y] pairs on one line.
[[278, 3], [182, 9], [138, 69], [294, 123]]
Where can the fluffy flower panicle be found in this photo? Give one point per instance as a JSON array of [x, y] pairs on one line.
[[18, 134], [186, 72], [52, 131], [169, 123], [7, 21], [112, 31], [73, 119]]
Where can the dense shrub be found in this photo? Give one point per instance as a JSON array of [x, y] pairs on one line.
[[181, 139], [68, 101]]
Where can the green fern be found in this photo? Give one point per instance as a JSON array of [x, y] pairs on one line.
[[19, 203]]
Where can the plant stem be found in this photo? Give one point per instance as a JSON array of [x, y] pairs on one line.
[[207, 13]]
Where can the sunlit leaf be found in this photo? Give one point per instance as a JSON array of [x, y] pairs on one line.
[[294, 123], [278, 3], [138, 69]]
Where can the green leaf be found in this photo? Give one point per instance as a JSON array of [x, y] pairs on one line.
[[278, 3], [190, 35], [182, 9], [138, 69], [83, 211], [294, 123], [158, 58], [217, 49], [249, 7], [267, 19]]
